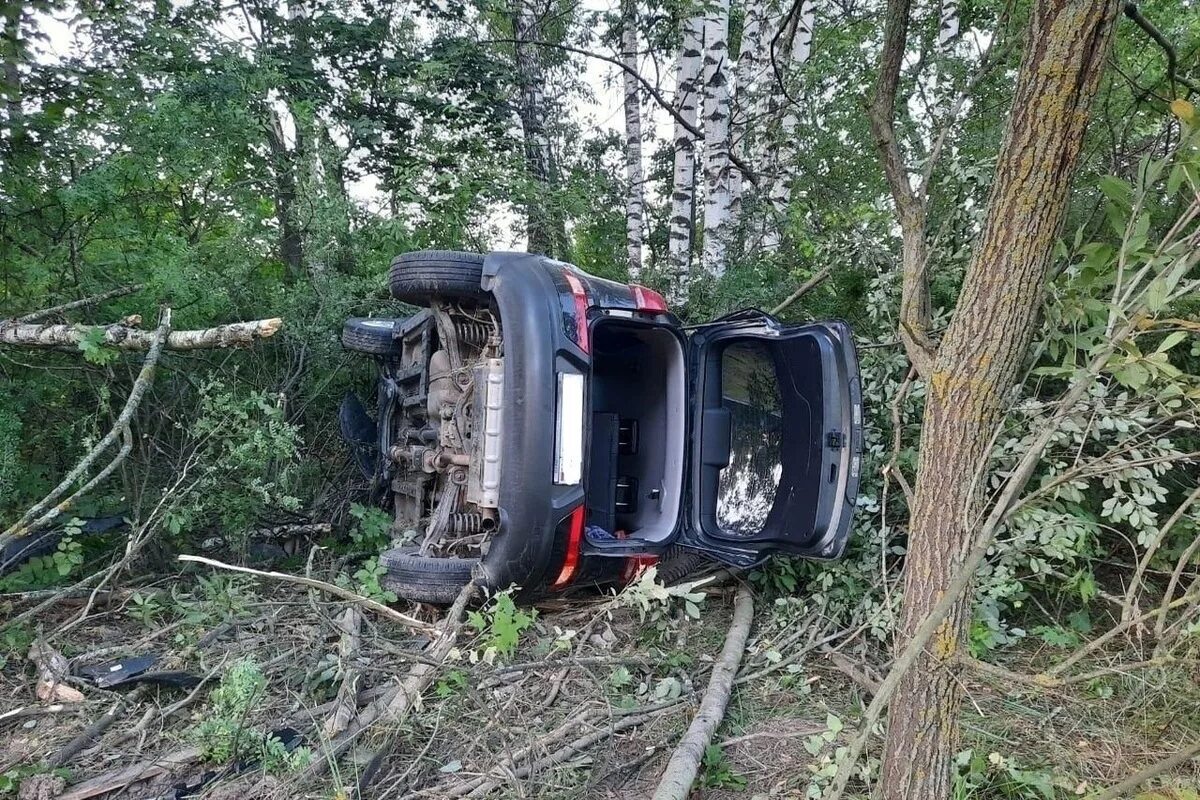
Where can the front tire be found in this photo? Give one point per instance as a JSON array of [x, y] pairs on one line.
[[420, 276]]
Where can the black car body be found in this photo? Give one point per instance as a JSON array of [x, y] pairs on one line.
[[606, 433]]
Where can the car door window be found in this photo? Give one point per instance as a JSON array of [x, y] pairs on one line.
[[750, 392]]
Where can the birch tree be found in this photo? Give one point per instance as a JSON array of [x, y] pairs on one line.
[[718, 215], [797, 54], [635, 192], [683, 178]]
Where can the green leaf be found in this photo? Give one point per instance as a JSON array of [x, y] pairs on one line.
[[1170, 341]]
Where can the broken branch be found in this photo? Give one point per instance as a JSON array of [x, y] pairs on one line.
[[125, 337], [96, 299], [328, 588]]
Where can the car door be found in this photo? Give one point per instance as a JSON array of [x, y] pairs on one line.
[[775, 439]]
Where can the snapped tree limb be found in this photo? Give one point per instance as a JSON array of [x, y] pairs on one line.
[[126, 337]]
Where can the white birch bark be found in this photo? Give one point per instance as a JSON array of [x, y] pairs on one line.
[[683, 181], [634, 196], [718, 219], [780, 193], [749, 88], [947, 33]]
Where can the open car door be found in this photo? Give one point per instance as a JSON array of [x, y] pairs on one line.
[[776, 439]]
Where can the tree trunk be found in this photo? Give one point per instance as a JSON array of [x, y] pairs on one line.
[[291, 248], [544, 226], [780, 193], [634, 196], [683, 181], [749, 89], [718, 220], [978, 363], [11, 57]]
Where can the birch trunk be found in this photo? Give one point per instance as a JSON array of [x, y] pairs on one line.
[[541, 222], [683, 180], [718, 221], [634, 197], [125, 337], [749, 87], [977, 365], [779, 196]]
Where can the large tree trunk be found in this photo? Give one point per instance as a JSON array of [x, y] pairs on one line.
[[683, 181], [291, 245], [978, 363], [544, 225], [634, 193], [718, 218]]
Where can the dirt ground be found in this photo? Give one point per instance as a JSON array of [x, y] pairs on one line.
[[585, 668]]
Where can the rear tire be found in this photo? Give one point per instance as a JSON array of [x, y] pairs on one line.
[[373, 336], [424, 579], [420, 276]]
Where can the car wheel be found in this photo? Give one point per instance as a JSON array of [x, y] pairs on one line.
[[420, 276], [678, 564], [373, 336], [425, 579]]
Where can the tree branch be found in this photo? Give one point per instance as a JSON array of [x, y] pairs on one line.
[[1135, 14], [734, 158], [35, 316], [911, 211], [125, 337]]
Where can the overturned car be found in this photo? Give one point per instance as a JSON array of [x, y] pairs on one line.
[[539, 426]]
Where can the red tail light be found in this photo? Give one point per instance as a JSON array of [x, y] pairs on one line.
[[574, 545]]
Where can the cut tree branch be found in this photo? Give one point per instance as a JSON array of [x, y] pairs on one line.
[[125, 337], [677, 778]]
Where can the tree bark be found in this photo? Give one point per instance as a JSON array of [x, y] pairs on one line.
[[779, 195], [544, 226], [753, 62], [124, 337], [718, 218], [634, 193], [291, 246], [977, 365], [683, 181]]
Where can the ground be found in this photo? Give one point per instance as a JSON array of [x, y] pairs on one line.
[[591, 659]]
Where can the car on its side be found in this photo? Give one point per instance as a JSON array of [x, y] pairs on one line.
[[539, 426]]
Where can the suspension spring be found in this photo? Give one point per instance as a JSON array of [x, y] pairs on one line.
[[471, 523], [472, 332]]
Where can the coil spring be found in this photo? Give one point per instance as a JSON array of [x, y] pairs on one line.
[[466, 523], [473, 332]]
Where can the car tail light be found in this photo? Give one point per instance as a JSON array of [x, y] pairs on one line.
[[568, 434], [581, 307], [574, 525], [647, 299]]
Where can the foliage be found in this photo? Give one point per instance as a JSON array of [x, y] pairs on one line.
[[658, 603], [500, 624], [226, 734], [716, 772], [52, 568]]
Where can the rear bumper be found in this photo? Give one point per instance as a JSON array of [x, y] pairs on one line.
[[538, 327]]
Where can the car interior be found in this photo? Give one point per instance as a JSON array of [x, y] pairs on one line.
[[639, 411]]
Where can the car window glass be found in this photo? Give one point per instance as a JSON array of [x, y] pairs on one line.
[[750, 392]]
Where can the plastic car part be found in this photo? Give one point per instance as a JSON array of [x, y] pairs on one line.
[[425, 579], [376, 337], [421, 276]]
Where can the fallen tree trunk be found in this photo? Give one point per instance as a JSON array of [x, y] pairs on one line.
[[126, 337], [677, 778]]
